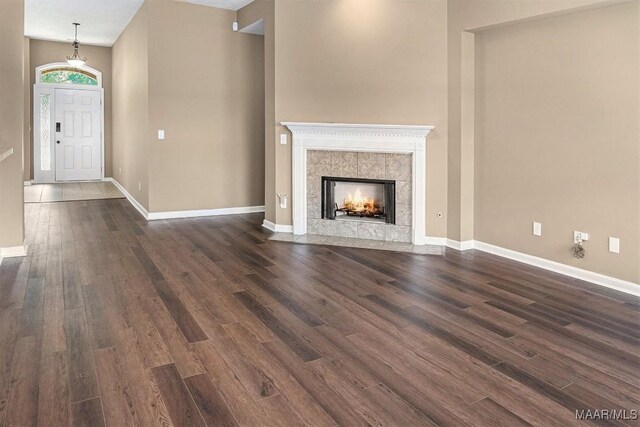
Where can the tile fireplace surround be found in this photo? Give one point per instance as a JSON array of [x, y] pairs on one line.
[[350, 164], [392, 152]]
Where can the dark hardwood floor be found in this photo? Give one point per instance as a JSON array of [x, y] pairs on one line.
[[113, 320]]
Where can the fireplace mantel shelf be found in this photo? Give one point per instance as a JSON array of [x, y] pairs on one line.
[[407, 139], [358, 129]]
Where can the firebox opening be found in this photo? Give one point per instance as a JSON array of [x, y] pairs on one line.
[[358, 199]]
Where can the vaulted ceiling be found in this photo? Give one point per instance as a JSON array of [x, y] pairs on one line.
[[101, 21]]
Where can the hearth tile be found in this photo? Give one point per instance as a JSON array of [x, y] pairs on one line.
[[403, 214], [368, 244], [398, 166], [284, 237], [403, 191], [427, 250], [312, 239], [318, 163], [344, 164], [314, 187], [369, 230], [344, 228], [339, 241], [315, 226], [397, 246], [397, 233], [371, 165], [314, 204]]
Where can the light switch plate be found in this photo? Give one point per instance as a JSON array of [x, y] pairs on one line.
[[283, 138], [537, 229], [161, 134], [614, 245]]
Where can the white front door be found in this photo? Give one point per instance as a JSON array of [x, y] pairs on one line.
[[78, 135]]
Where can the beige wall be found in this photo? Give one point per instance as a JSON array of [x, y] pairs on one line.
[[204, 86], [11, 122], [557, 139], [206, 90], [265, 10], [365, 61], [131, 108], [464, 17], [98, 57]]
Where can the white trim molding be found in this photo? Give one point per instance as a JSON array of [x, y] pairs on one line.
[[277, 228], [435, 241], [195, 213], [460, 246], [567, 270], [404, 139], [53, 65], [129, 197], [14, 251]]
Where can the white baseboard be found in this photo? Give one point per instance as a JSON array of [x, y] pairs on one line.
[[13, 251], [129, 197], [567, 270], [437, 241], [460, 246], [153, 216], [277, 228], [204, 212], [27, 183]]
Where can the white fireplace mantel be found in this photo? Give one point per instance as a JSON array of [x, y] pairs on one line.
[[406, 139]]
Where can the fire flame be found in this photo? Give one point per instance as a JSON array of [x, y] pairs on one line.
[[359, 202]]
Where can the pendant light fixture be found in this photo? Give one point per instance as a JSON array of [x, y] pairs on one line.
[[76, 60]]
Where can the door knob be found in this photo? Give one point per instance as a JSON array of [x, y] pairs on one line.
[[57, 142]]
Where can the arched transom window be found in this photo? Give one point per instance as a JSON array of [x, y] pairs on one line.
[[62, 73]]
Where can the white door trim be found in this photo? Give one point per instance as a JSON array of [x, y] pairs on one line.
[[43, 177]]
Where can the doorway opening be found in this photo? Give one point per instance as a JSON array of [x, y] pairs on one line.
[[68, 124]]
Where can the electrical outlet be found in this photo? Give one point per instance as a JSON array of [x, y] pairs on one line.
[[283, 138], [537, 229], [579, 236], [161, 134], [283, 200], [139, 186], [614, 245]]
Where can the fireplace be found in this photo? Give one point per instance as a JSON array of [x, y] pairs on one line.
[[358, 199], [393, 154]]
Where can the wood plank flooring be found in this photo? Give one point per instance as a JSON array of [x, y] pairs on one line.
[[111, 320]]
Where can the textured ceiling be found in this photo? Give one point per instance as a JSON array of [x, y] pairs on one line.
[[101, 21]]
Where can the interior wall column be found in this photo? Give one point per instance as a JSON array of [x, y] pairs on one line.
[[11, 127], [467, 134]]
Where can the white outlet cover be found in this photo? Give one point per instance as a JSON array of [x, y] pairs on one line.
[[283, 138], [537, 229], [614, 245], [161, 134], [580, 236]]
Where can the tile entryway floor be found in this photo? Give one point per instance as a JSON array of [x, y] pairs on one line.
[[42, 193], [314, 239]]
